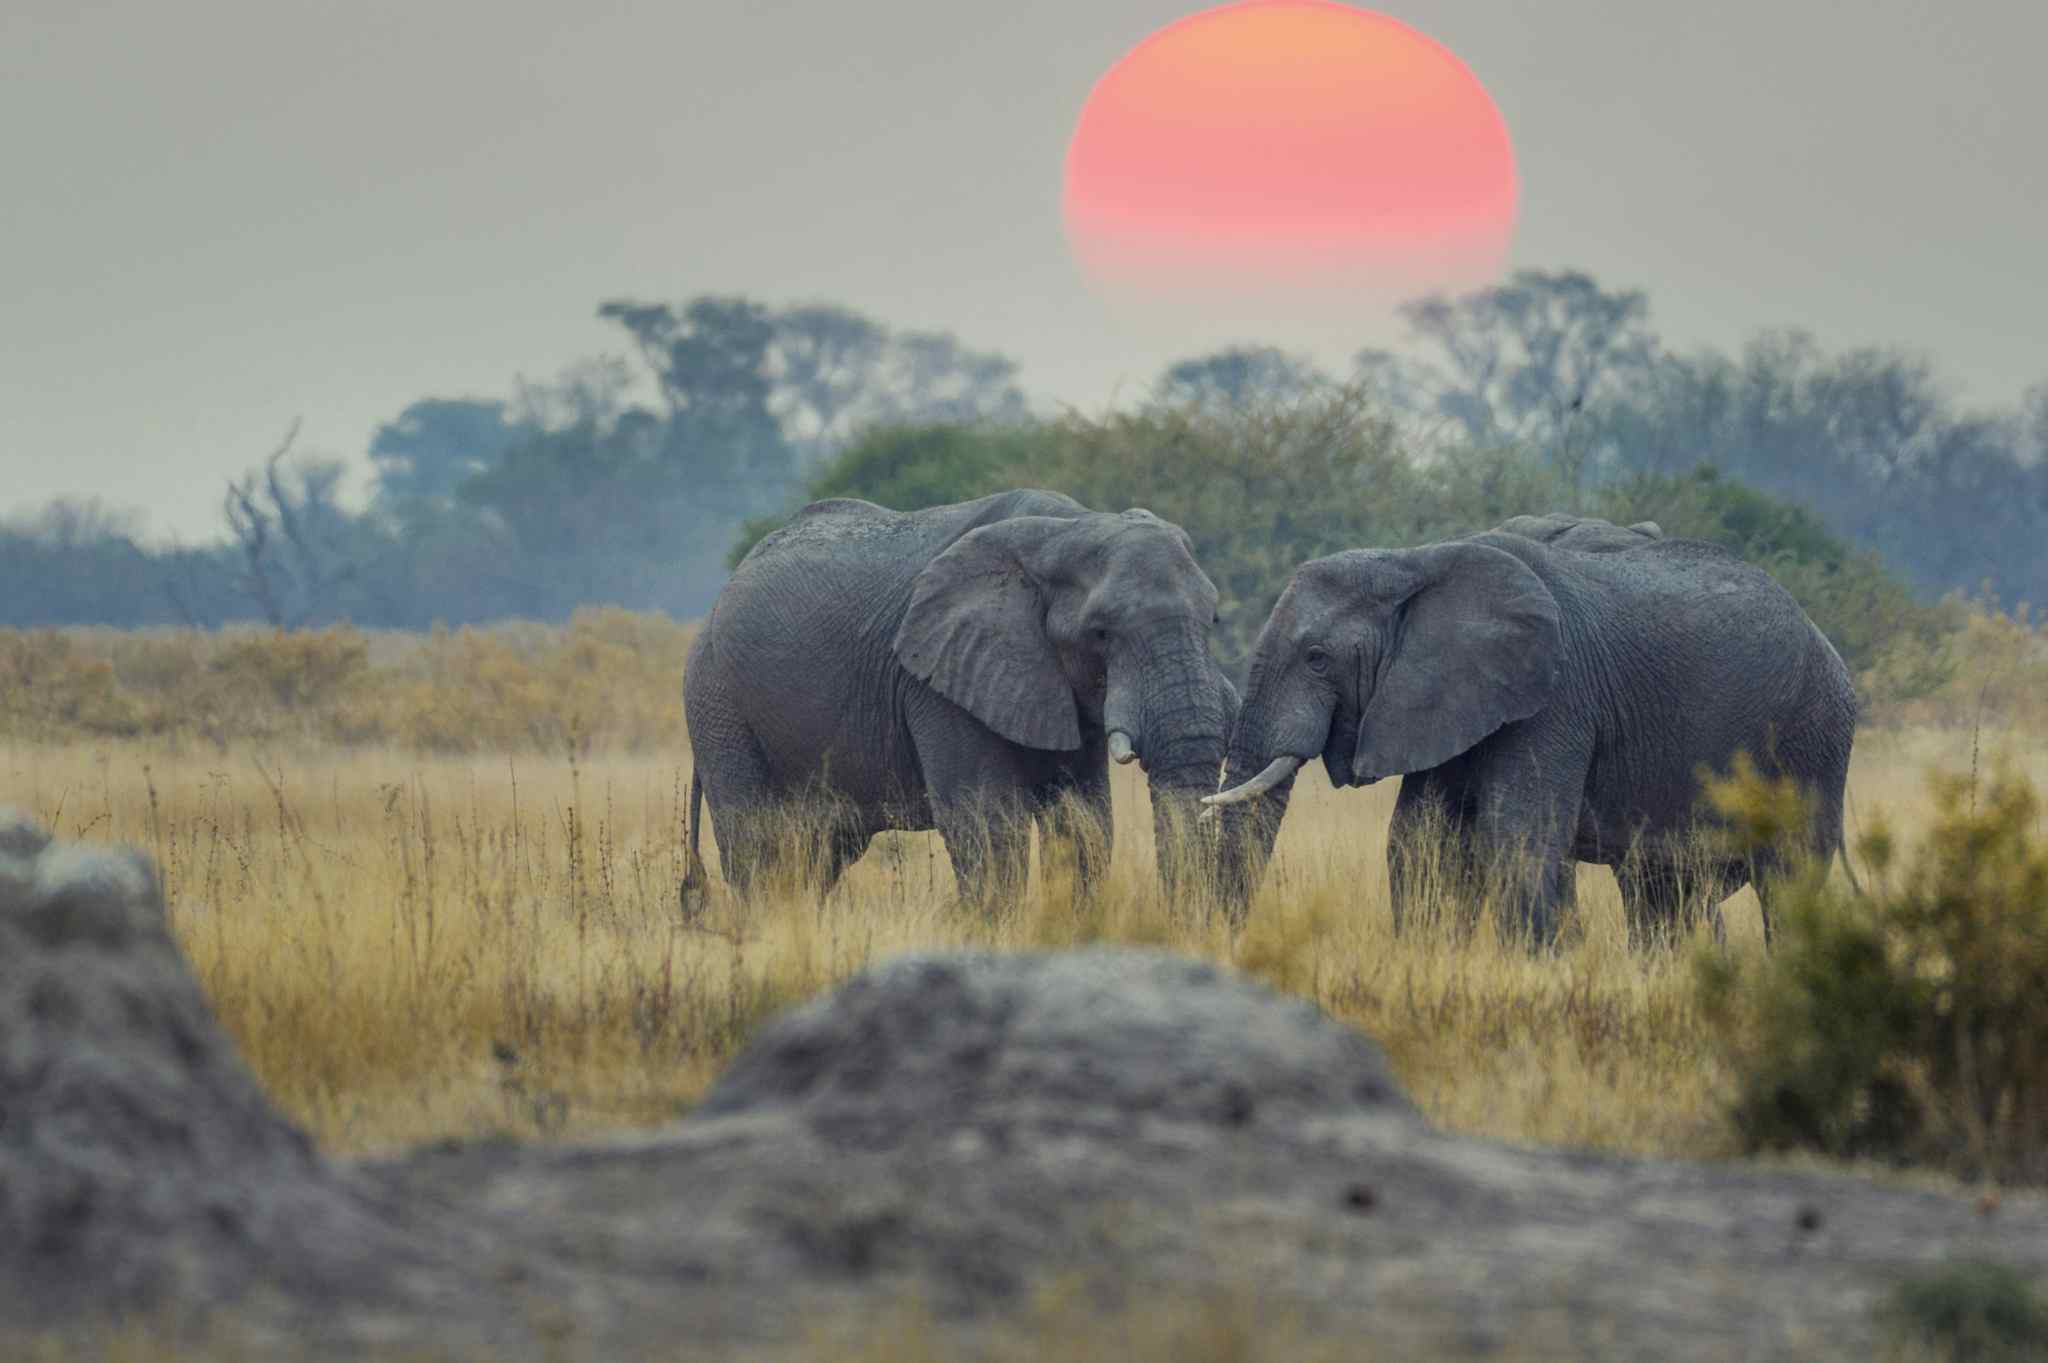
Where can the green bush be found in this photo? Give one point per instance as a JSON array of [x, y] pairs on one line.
[[1907, 1021], [907, 467], [1971, 1312]]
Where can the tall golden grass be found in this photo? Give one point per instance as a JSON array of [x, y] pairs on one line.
[[410, 947], [429, 884]]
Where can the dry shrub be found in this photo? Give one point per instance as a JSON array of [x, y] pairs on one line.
[[610, 680], [1990, 670], [49, 684], [1907, 1022]]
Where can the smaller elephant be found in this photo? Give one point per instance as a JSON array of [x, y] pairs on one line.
[[1549, 705], [971, 668]]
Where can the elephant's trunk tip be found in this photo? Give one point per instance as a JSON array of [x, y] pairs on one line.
[[1120, 749]]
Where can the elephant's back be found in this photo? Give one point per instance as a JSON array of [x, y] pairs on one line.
[[1704, 654], [804, 621], [1720, 620], [1697, 586], [848, 535]]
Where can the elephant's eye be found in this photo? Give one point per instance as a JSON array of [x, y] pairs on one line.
[[1101, 635], [1318, 660]]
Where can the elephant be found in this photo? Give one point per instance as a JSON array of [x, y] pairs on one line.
[[1587, 534], [963, 668], [1550, 705]]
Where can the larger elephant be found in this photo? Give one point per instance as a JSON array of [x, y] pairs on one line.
[[962, 668], [1549, 705]]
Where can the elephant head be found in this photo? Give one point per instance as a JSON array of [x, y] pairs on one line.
[[1382, 662], [1055, 632]]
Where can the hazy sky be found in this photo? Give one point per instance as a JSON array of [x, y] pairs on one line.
[[221, 214]]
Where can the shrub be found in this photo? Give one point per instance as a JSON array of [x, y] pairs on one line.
[[1908, 1021], [909, 466], [1975, 1311], [1990, 669], [611, 680], [48, 683]]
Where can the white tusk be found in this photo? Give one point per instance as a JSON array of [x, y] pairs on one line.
[[1120, 749], [1278, 770]]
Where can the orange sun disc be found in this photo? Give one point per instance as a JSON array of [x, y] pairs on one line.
[[1290, 143]]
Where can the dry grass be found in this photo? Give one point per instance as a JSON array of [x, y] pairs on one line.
[[609, 680], [409, 947], [1062, 1320]]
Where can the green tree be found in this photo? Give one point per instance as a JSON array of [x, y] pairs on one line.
[[910, 467], [428, 450], [1535, 362]]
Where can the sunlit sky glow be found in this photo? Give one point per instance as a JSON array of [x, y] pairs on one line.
[[1291, 141], [221, 215]]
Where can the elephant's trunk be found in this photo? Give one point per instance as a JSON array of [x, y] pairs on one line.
[[1187, 712], [1246, 830]]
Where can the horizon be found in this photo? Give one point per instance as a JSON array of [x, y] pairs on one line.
[[437, 205]]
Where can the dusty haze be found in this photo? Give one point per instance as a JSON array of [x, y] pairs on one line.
[[226, 214]]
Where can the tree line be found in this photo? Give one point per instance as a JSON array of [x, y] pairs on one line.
[[635, 479]]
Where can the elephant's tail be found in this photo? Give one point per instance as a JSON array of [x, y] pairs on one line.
[[691, 894], [1855, 883]]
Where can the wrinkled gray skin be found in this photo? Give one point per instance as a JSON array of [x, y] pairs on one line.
[[958, 668], [1553, 704], [1587, 534]]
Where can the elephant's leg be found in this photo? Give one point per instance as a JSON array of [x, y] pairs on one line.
[[1537, 898], [1652, 898], [989, 841], [747, 809], [982, 789], [1428, 846], [1074, 821], [745, 812], [1528, 797], [846, 841], [1825, 841]]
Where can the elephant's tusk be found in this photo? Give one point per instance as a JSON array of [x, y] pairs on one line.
[[1120, 749], [1278, 770]]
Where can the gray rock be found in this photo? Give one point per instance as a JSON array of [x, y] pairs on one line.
[[961, 1128], [141, 1168], [1107, 1041]]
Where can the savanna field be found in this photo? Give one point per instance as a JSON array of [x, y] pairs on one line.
[[430, 886]]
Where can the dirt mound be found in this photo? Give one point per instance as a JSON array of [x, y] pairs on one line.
[[960, 1129], [141, 1169], [1103, 1041]]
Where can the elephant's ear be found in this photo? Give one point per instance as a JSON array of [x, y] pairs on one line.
[[975, 631], [1478, 647]]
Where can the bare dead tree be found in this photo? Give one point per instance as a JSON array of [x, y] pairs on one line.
[[289, 570], [182, 587]]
